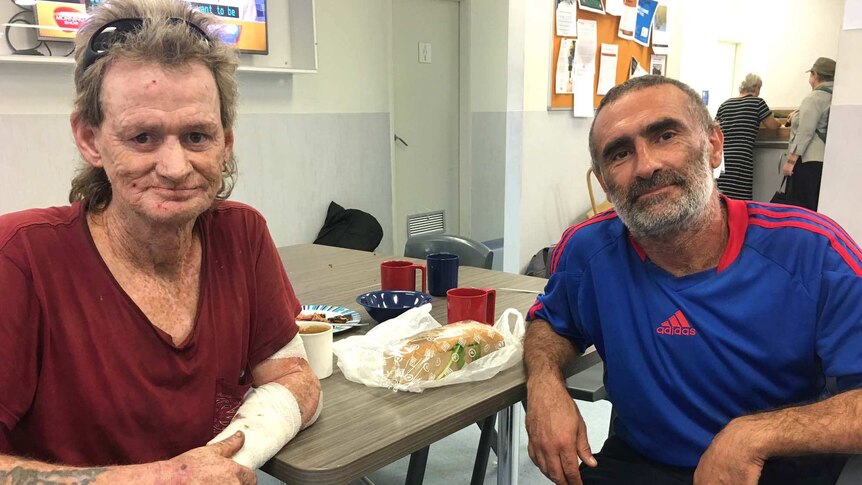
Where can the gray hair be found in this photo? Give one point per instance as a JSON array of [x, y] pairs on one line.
[[172, 45], [750, 84], [696, 107]]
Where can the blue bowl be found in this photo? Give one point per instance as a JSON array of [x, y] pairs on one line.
[[383, 305]]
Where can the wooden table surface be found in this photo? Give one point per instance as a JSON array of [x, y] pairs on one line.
[[363, 429]]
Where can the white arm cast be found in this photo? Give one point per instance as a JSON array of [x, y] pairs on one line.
[[269, 417]]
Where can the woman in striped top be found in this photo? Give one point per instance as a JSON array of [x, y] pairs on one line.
[[740, 118]]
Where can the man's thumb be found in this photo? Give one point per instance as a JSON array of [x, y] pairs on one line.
[[584, 451], [230, 445]]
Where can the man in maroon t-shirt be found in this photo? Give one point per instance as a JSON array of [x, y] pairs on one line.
[[151, 316]]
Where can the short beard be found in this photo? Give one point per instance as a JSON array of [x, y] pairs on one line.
[[659, 217]]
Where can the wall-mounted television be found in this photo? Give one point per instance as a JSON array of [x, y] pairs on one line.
[[242, 23]]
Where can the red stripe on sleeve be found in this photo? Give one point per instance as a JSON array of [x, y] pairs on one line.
[[814, 217], [533, 309], [818, 230], [571, 232]]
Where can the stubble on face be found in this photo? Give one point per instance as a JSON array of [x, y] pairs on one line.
[[664, 215]]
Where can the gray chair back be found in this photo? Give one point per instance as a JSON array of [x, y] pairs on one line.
[[469, 251]]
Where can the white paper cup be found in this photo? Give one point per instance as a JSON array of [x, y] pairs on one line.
[[317, 339]]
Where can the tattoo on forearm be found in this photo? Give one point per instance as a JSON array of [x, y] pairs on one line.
[[25, 476]]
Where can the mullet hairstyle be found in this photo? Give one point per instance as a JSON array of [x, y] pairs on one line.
[[696, 108], [171, 45]]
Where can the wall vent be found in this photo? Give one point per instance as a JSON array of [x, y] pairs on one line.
[[427, 223]]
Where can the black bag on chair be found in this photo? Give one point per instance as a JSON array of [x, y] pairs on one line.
[[349, 228], [783, 195]]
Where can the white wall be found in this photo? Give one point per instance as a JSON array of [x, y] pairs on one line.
[[778, 40], [840, 197], [324, 136]]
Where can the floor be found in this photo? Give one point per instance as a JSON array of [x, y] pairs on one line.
[[450, 461]]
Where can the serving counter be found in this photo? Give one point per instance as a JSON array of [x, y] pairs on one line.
[[769, 150]]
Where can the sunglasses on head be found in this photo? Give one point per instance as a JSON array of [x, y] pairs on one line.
[[115, 32]]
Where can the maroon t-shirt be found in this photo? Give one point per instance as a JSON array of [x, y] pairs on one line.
[[86, 379]]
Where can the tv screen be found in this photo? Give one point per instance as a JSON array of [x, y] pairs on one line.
[[242, 23]]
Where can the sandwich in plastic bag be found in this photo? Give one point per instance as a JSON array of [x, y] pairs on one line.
[[413, 351]]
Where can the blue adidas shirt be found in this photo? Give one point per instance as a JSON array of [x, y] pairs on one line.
[[684, 356]]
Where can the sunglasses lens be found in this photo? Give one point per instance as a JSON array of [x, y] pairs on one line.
[[104, 39]]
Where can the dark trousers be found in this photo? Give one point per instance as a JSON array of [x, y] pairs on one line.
[[619, 464], [805, 183]]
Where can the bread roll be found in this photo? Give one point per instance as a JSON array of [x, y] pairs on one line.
[[435, 353]]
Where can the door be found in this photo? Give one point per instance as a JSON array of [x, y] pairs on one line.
[[724, 76], [425, 112]]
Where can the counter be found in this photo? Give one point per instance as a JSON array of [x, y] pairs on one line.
[[769, 150]]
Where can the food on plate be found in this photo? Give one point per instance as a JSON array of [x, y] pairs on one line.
[[436, 353], [321, 317]]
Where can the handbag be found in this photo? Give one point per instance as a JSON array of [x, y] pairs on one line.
[[783, 194]]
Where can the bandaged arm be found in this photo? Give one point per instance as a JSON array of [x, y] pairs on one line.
[[286, 399]]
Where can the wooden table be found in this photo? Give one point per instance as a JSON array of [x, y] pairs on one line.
[[363, 429]]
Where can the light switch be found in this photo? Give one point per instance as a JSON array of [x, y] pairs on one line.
[[425, 52]]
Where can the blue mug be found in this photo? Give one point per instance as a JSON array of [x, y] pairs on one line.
[[442, 273]]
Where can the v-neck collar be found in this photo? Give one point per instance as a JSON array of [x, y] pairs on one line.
[[202, 278]]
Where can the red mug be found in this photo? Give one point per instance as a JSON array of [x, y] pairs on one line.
[[471, 304], [400, 275]]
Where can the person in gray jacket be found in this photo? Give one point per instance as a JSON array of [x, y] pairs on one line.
[[808, 136]]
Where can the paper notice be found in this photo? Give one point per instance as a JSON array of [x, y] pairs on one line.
[[607, 68], [635, 69], [658, 65], [583, 87], [565, 63], [567, 16], [592, 6], [628, 19], [614, 7], [585, 52], [584, 68], [643, 26], [660, 36]]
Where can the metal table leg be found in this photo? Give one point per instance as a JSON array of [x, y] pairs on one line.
[[507, 446]]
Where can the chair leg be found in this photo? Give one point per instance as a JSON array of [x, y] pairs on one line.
[[416, 468], [486, 440]]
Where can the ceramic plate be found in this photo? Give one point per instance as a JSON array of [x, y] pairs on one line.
[[332, 311]]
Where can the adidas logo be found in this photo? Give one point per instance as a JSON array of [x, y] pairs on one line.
[[677, 324]]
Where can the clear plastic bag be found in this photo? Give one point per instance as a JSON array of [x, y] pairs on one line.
[[362, 358]]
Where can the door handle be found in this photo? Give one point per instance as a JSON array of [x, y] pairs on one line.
[[398, 138]]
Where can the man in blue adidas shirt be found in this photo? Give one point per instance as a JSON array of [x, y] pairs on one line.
[[719, 321]]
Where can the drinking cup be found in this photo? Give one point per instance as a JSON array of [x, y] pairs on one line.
[[400, 275], [317, 339], [442, 273], [471, 304]]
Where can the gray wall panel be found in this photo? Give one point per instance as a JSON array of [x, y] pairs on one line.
[[488, 159]]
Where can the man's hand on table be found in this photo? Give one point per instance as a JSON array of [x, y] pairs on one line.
[[210, 464], [731, 458], [557, 432]]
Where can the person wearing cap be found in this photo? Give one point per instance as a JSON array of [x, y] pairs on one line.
[[807, 144], [739, 118], [148, 331]]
